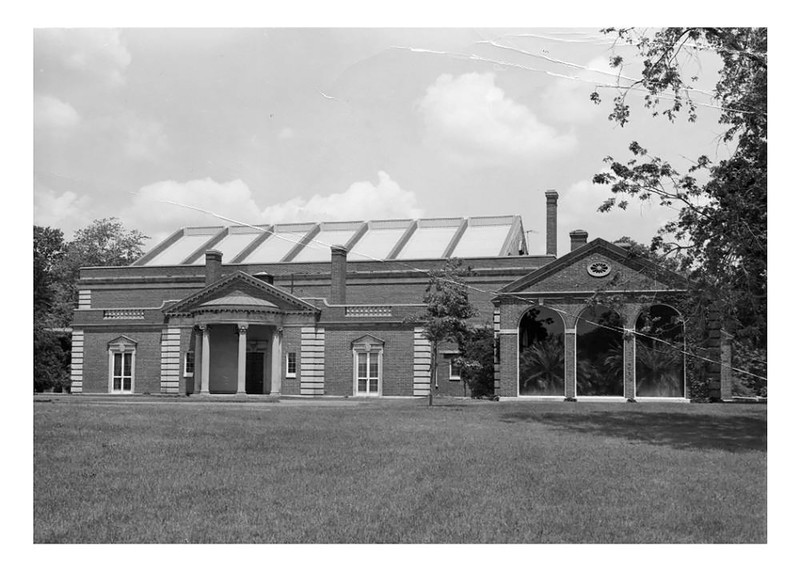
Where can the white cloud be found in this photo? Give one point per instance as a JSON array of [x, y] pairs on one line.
[[361, 201], [154, 210], [286, 133], [472, 119], [50, 113], [66, 210], [96, 52]]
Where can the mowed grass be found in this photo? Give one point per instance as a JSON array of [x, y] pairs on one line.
[[397, 471]]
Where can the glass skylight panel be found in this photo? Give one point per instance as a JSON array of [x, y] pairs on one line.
[[230, 246], [275, 247], [427, 242], [377, 243], [319, 248], [181, 249], [481, 241]]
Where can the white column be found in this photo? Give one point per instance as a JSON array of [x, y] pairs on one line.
[[205, 360], [277, 361], [242, 363]]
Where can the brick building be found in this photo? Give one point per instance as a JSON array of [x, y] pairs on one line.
[[323, 308]]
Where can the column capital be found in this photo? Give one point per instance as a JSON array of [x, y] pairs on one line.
[[203, 327], [242, 328]]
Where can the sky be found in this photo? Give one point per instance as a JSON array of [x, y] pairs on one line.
[[160, 127]]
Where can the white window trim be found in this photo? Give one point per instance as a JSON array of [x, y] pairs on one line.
[[121, 350], [367, 349], [450, 355], [288, 374], [185, 362], [451, 376]]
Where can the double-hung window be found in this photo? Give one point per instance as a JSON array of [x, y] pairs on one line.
[[188, 364]]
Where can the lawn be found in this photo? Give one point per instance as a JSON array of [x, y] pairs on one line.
[[165, 470]]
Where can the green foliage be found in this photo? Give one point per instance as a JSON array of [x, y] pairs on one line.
[[541, 367], [746, 358], [104, 242], [50, 359], [447, 311], [476, 360], [56, 268], [48, 251], [719, 237]]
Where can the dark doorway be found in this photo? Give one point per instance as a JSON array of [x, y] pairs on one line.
[[254, 374]]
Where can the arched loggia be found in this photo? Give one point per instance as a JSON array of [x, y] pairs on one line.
[[541, 353], [599, 357], [660, 362]]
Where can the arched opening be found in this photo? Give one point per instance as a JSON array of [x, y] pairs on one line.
[[599, 356], [659, 355], [541, 353]]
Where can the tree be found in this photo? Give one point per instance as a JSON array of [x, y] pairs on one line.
[[476, 361], [49, 357], [720, 233], [448, 309], [104, 242], [56, 268], [48, 250]]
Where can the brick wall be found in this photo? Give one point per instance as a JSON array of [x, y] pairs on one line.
[[574, 277], [291, 343], [147, 361], [398, 353], [138, 296], [224, 345]]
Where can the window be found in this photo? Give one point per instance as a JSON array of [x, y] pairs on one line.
[[188, 364], [291, 365], [368, 366], [367, 372], [121, 365], [455, 369], [122, 372]]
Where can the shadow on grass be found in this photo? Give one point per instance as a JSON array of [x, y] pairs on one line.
[[676, 429]]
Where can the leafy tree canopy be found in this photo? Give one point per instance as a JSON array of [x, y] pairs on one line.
[[104, 242], [56, 268], [447, 310], [48, 251], [720, 233]]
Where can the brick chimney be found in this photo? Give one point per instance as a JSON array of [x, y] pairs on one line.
[[338, 275], [552, 222], [213, 266], [577, 239]]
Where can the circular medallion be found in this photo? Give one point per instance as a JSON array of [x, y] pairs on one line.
[[598, 269]]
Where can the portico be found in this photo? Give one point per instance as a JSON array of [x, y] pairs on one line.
[[241, 357], [237, 325]]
